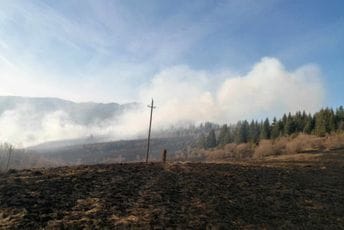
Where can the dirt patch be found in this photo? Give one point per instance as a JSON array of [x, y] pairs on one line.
[[192, 195]]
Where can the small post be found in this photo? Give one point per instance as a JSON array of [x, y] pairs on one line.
[[150, 127], [163, 155]]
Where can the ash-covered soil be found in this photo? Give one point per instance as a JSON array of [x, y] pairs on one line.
[[192, 195]]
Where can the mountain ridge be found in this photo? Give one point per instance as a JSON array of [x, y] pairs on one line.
[[80, 112]]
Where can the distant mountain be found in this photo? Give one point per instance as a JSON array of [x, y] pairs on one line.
[[43, 124], [50, 146], [84, 113]]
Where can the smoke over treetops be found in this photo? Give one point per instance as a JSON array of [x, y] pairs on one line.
[[181, 94]]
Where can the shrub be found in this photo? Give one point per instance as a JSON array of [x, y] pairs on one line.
[[263, 149], [334, 141], [243, 151], [304, 142], [216, 154], [230, 150], [280, 146]]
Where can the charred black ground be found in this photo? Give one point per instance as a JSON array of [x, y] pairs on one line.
[[185, 195]]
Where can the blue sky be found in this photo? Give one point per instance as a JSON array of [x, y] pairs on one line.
[[113, 50]]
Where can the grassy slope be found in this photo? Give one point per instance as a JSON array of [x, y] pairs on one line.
[[175, 195]]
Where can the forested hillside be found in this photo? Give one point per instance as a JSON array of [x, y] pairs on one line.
[[321, 123]]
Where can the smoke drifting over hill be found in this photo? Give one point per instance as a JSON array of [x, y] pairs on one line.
[[29, 121], [182, 95]]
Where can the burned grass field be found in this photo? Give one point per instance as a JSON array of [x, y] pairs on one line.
[[176, 195]]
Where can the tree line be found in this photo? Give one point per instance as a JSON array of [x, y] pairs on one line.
[[323, 122]]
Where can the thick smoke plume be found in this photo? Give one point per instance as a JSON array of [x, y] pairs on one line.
[[182, 95]]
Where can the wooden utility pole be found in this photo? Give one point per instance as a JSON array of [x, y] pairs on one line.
[[150, 127]]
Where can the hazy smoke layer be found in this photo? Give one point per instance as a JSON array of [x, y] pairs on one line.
[[268, 90], [182, 95]]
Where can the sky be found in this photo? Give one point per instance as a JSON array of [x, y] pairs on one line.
[[239, 59]]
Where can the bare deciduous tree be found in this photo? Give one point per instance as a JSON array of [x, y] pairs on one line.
[[6, 149]]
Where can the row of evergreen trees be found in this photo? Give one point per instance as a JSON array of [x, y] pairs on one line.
[[321, 123]]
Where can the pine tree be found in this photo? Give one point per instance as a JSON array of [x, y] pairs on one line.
[[202, 141], [284, 122], [275, 130], [304, 120], [340, 118], [230, 134], [310, 124], [324, 122], [208, 126], [258, 131], [281, 127], [332, 122], [223, 136], [289, 127], [265, 131], [253, 132], [297, 122], [211, 139], [320, 123], [242, 132]]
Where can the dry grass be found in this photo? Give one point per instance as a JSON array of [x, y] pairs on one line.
[[296, 157], [244, 151], [265, 148], [295, 144], [303, 142], [231, 151], [299, 144], [334, 141], [217, 154]]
